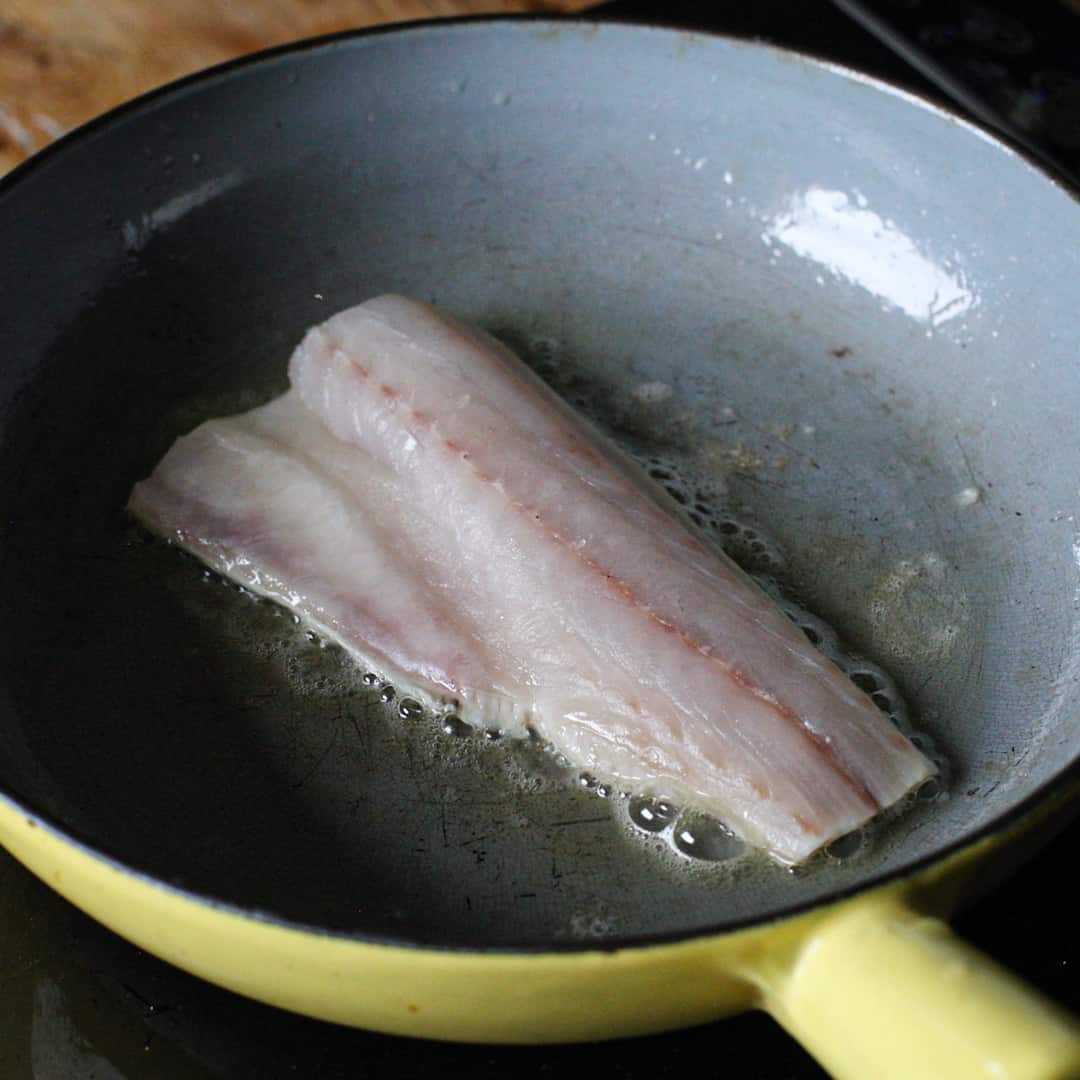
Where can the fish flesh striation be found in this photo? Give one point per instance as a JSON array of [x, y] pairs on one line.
[[421, 497]]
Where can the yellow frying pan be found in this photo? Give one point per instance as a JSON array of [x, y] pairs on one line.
[[866, 311]]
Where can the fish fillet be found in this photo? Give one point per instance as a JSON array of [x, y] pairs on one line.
[[422, 498]]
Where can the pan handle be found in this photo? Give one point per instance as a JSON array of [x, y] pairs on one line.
[[880, 990]]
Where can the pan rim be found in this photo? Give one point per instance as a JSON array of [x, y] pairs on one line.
[[1069, 773], [582, 22], [1010, 818]]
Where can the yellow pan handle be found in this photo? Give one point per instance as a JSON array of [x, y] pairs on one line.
[[879, 992]]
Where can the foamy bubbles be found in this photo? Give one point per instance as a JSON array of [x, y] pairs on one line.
[[410, 709], [456, 727], [701, 502], [705, 838], [651, 815]]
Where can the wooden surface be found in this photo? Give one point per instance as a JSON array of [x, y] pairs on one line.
[[65, 61]]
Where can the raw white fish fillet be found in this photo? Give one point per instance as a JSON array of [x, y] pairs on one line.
[[421, 497]]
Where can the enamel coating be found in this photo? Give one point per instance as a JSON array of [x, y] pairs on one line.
[[856, 313]]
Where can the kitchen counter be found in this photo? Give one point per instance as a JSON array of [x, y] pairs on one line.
[[63, 61]]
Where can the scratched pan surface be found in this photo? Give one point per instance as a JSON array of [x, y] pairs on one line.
[[865, 313]]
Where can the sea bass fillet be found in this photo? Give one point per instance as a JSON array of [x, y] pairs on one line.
[[423, 499]]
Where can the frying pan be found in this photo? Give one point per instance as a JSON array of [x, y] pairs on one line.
[[862, 314]]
